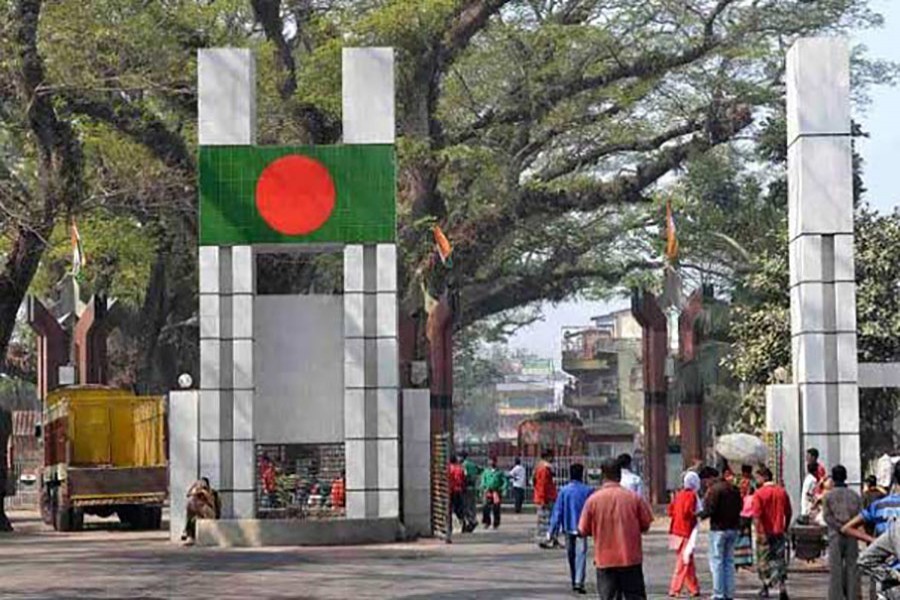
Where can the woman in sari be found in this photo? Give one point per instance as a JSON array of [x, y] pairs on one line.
[[683, 536], [743, 546], [203, 503]]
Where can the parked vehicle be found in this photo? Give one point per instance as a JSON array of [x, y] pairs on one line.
[[104, 454]]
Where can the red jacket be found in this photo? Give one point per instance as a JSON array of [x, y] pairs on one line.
[[683, 511], [544, 488], [456, 477]]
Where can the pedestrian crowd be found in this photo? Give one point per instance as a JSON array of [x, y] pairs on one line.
[[749, 519]]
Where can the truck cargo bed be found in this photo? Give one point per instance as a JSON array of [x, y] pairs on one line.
[[113, 485]]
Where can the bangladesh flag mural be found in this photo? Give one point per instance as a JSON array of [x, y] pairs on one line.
[[304, 194]]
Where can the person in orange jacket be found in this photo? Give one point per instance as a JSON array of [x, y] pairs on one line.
[[544, 498]]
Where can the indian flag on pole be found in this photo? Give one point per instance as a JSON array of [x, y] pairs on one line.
[[671, 237], [78, 260]]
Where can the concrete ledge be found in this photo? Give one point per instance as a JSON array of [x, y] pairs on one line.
[[228, 533]]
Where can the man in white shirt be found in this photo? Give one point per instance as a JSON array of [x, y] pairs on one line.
[[630, 481], [517, 474], [808, 492]]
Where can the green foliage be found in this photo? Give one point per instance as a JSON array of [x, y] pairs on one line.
[[119, 254]]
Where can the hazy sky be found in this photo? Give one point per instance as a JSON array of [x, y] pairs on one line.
[[881, 153]]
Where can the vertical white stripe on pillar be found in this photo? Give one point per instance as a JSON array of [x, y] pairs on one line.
[[372, 462], [226, 103]]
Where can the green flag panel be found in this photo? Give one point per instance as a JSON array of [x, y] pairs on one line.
[[357, 205]]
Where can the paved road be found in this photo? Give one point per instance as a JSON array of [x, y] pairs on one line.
[[107, 562]]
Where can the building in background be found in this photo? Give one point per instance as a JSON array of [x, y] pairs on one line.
[[530, 385], [603, 361], [26, 457]]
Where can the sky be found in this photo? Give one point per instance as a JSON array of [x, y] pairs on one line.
[[881, 156]]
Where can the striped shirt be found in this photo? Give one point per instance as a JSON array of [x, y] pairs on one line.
[[882, 513]]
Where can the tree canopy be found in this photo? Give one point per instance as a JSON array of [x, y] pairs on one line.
[[538, 133]]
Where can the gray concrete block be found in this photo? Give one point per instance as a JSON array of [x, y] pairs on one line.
[[388, 504], [808, 308], [244, 457], [386, 315], [368, 95], [386, 265], [355, 464], [354, 413], [388, 365], [242, 316], [244, 504], [783, 414], [183, 428], [844, 263], [356, 504], [818, 87], [243, 414], [820, 186], [211, 462], [209, 317], [847, 365], [210, 415], [388, 405], [210, 364], [208, 267], [226, 96], [388, 464], [228, 533], [354, 363], [810, 358], [242, 351], [353, 268], [354, 311], [242, 270]]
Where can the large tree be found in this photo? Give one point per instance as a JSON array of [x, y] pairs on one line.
[[534, 132]]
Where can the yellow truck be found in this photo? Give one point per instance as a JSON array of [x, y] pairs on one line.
[[104, 454]]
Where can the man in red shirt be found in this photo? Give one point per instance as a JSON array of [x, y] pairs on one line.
[[772, 509], [616, 518], [456, 480], [544, 497]]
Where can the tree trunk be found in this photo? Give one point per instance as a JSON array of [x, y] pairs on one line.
[[21, 265], [5, 432]]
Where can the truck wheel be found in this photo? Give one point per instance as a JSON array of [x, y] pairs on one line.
[[153, 517], [127, 516], [63, 520], [77, 518]]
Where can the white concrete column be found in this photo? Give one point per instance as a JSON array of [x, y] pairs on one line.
[[417, 461], [823, 289], [227, 116], [371, 398], [184, 459]]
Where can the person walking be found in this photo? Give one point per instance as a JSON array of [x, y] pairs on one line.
[[456, 482], [683, 531], [616, 518], [566, 513], [518, 477], [544, 497], [839, 507], [630, 481], [473, 475], [722, 506], [773, 512], [493, 488]]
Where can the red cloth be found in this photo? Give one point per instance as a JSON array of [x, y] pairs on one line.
[[772, 509], [456, 477], [615, 518], [338, 493], [544, 488], [685, 574], [267, 475], [683, 511]]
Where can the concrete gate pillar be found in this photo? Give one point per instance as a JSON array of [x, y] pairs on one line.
[[371, 367], [227, 117], [822, 280]]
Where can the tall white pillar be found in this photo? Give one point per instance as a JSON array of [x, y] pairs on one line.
[[823, 289], [371, 369], [227, 116]]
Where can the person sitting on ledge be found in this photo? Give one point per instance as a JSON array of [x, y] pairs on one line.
[[203, 503]]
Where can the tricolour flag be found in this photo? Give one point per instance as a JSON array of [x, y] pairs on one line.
[[78, 260], [444, 248], [671, 237]]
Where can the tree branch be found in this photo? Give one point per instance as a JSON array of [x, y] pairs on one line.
[[268, 14], [591, 156], [138, 124]]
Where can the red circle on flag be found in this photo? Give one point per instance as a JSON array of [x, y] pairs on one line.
[[295, 195]]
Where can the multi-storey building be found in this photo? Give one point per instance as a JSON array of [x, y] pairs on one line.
[[604, 362]]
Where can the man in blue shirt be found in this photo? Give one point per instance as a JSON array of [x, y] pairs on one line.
[[566, 513], [879, 515]]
